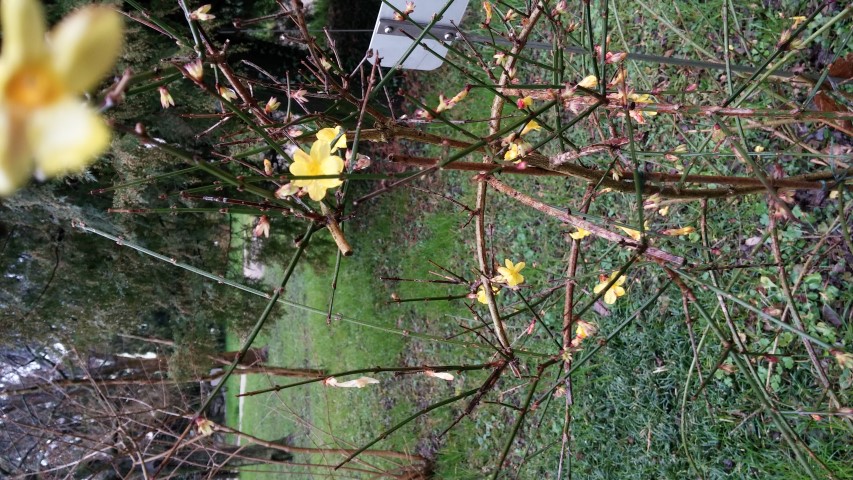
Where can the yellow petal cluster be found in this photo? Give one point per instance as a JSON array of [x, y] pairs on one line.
[[644, 98], [516, 150], [44, 126], [510, 273], [615, 291], [319, 161], [481, 294], [579, 234]]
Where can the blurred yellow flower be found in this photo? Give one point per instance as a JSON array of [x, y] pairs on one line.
[[487, 7], [845, 360], [201, 14], [319, 162], [481, 294], [329, 134], [531, 126], [524, 102], [272, 105], [579, 234], [166, 99], [644, 98], [615, 291], [509, 273], [44, 127], [675, 232], [635, 234], [227, 94], [516, 150], [585, 329], [195, 69], [589, 82], [205, 426]]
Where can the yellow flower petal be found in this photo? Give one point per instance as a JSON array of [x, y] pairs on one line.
[[579, 234], [331, 165], [23, 32], [329, 134], [531, 126], [316, 190], [15, 162], [679, 231], [84, 47], [66, 137], [615, 291], [635, 234], [589, 82], [481, 294]]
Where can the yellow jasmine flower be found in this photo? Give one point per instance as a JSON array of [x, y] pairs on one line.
[[44, 126], [195, 69], [500, 58], [268, 167], [272, 105], [585, 329], [614, 292], [524, 102], [329, 134], [481, 294], [201, 14], [664, 211], [797, 21], [845, 360], [205, 426], [579, 234], [589, 82], [675, 232], [166, 99], [517, 150], [488, 9], [758, 148], [227, 94], [510, 275], [319, 162], [531, 126], [635, 234], [638, 114]]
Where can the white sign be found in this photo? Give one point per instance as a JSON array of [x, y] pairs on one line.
[[391, 37]]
